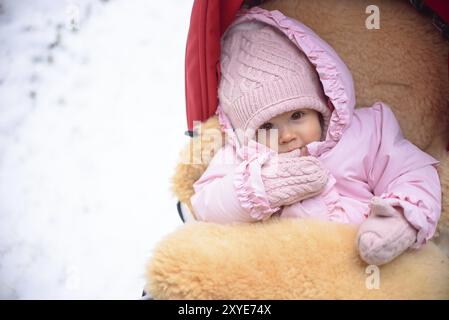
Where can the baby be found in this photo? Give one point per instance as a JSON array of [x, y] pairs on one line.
[[322, 158]]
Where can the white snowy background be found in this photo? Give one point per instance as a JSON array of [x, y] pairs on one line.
[[92, 119]]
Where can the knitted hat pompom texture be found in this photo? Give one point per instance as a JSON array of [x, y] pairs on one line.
[[264, 74]]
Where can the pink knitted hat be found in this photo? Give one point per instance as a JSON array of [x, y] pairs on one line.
[[263, 74]]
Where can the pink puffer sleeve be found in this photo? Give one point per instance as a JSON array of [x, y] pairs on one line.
[[328, 205], [404, 175], [231, 190]]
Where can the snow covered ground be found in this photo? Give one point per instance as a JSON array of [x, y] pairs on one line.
[[92, 118]]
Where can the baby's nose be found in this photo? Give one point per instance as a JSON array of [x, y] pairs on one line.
[[286, 136]]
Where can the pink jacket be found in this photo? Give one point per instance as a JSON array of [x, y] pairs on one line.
[[364, 151]]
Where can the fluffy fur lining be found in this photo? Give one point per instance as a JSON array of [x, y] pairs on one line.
[[286, 259]]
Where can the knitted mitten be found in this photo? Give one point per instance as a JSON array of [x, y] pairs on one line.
[[289, 178], [385, 234]]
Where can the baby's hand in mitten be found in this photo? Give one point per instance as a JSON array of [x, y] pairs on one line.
[[289, 178], [385, 234]]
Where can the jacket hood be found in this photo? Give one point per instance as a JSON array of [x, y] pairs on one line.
[[333, 73]]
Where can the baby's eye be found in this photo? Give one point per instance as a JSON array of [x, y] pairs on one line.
[[266, 126], [297, 115]]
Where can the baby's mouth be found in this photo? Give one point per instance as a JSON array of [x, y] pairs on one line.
[[291, 149], [286, 150]]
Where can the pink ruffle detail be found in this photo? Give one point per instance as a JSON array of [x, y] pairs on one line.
[[252, 199], [227, 128], [410, 206], [331, 199]]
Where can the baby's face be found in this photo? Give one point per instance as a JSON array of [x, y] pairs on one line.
[[295, 129]]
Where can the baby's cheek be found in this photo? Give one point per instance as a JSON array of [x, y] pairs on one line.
[[315, 132]]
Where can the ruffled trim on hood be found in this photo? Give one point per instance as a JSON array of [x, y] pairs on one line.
[[333, 73]]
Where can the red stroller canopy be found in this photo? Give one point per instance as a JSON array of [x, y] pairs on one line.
[[208, 21]]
